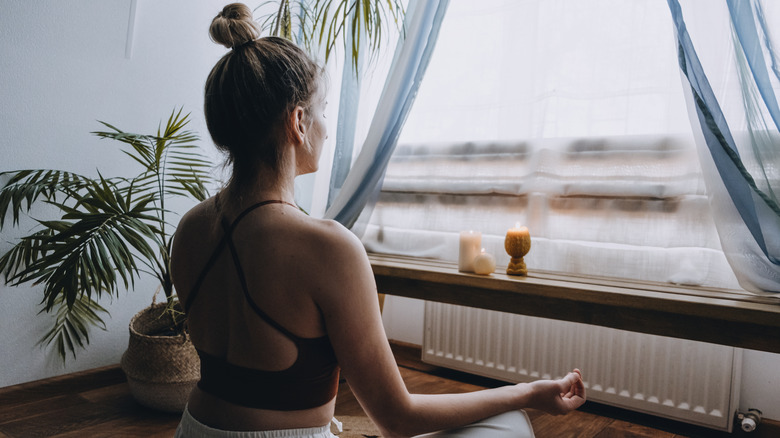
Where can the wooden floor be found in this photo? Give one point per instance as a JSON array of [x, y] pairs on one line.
[[98, 404]]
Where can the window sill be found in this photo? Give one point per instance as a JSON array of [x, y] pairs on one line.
[[719, 316]]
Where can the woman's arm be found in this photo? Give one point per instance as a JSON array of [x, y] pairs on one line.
[[347, 297]]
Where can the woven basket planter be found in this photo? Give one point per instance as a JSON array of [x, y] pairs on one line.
[[161, 370]]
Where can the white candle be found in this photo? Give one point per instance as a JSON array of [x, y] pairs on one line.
[[470, 243], [484, 263]]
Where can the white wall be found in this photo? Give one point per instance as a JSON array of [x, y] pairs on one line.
[[403, 320], [64, 66]]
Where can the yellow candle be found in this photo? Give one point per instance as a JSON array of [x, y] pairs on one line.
[[484, 263], [517, 245], [470, 243], [518, 241]]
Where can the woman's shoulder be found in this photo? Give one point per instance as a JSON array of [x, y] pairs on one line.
[[334, 238], [337, 263], [198, 221], [194, 233], [325, 246], [203, 213]]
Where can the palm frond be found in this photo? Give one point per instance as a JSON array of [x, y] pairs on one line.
[[25, 187], [142, 149], [72, 325], [187, 173], [323, 23], [193, 186], [91, 250], [26, 252], [172, 154]]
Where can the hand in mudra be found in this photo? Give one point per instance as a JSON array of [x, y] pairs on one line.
[[558, 397]]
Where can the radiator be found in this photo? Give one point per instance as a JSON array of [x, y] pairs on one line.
[[689, 381]]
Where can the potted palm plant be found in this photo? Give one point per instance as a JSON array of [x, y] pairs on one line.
[[110, 230]]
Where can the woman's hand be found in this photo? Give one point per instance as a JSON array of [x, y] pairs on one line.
[[558, 397]]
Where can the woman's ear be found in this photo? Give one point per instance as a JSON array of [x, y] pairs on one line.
[[297, 125]]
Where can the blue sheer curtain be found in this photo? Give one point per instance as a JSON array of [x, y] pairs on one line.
[[738, 137], [361, 186]]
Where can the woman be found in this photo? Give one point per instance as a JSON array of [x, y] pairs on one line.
[[279, 302]]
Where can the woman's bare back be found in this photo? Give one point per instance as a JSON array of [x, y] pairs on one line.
[[271, 246]]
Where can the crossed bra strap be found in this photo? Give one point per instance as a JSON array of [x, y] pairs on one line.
[[227, 239], [311, 381]]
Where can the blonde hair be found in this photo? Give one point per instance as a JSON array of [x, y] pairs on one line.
[[233, 26], [251, 91]]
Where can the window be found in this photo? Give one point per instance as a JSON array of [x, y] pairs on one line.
[[565, 116]]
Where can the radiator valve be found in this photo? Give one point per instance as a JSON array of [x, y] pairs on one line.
[[749, 420]]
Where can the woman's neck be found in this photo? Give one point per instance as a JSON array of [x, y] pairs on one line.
[[267, 184]]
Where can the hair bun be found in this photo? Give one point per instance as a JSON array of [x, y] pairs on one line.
[[234, 26]]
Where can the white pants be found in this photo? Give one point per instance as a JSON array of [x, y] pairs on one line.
[[515, 424], [189, 427]]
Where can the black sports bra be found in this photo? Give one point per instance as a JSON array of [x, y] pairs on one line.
[[311, 381]]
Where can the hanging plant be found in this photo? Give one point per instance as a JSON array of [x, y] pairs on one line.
[[324, 23]]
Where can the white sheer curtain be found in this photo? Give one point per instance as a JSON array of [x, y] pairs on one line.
[[421, 28], [350, 125], [568, 117]]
